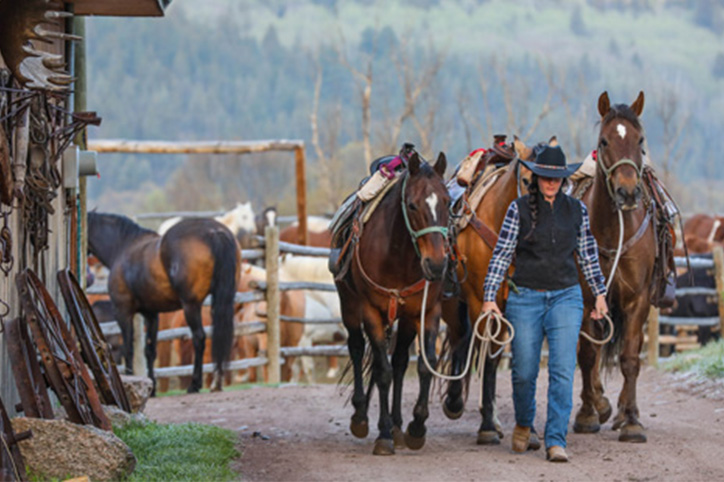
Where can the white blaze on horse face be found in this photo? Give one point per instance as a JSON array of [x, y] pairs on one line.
[[431, 201], [621, 130]]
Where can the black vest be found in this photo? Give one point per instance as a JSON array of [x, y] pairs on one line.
[[546, 261]]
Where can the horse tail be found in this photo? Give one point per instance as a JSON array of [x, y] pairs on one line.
[[223, 289]]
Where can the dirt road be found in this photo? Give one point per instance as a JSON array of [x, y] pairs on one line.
[[302, 433]]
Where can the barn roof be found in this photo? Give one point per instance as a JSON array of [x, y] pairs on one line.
[[121, 8]]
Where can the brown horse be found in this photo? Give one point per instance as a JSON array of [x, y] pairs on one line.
[[403, 244], [617, 188], [150, 274], [702, 232], [475, 244]]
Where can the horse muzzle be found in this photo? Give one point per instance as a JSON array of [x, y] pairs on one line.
[[628, 199], [433, 271]]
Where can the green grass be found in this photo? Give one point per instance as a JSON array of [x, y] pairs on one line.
[[707, 361], [178, 452]]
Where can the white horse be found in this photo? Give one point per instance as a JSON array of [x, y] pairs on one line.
[[319, 304], [238, 220]]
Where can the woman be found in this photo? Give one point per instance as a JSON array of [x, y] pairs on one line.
[[546, 230]]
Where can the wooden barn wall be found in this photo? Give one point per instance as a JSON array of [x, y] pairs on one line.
[[54, 258]]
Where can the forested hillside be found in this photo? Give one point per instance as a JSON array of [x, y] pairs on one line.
[[444, 75]]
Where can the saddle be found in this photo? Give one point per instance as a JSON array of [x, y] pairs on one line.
[[357, 208]]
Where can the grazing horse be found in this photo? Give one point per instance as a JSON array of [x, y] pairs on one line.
[[475, 243], [617, 193], [402, 245], [150, 274]]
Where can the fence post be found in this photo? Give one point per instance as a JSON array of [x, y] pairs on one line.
[[653, 345], [139, 346], [271, 234], [718, 253]]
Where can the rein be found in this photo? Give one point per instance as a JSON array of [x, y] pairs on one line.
[[609, 172]]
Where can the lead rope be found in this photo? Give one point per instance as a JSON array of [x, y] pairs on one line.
[[608, 285], [486, 340]]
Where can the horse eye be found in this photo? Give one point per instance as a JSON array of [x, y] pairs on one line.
[[602, 143], [641, 141], [412, 207], [526, 182]]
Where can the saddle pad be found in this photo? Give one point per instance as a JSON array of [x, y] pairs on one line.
[[479, 189]]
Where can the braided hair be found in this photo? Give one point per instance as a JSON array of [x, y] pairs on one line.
[[533, 190]]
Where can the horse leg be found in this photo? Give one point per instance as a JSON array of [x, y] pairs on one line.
[[382, 376], [489, 431], [415, 434], [192, 313], [356, 344], [627, 418], [400, 360], [150, 351], [456, 316], [125, 322]]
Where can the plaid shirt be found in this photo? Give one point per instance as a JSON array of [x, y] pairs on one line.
[[587, 252]]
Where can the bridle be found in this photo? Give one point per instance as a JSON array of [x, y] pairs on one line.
[[421, 232], [608, 171]]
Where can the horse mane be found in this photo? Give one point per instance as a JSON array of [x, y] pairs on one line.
[[622, 111], [128, 229]]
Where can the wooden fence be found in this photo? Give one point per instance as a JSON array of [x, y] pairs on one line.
[[268, 291], [655, 320]]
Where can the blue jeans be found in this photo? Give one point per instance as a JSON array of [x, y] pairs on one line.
[[556, 315]]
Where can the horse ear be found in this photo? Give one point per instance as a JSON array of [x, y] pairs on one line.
[[441, 164], [604, 104], [638, 105], [413, 164], [553, 142], [521, 150]]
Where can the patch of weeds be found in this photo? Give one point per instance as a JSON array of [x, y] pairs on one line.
[[178, 452]]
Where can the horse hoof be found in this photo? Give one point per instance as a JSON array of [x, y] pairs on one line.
[[604, 410], [412, 442], [488, 437], [632, 433], [192, 390], [453, 413], [384, 446], [359, 429], [398, 437], [586, 424], [618, 421], [499, 429]]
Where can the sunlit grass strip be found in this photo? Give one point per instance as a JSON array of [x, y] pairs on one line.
[[707, 361], [177, 452]]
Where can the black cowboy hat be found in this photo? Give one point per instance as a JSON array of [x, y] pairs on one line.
[[551, 162]]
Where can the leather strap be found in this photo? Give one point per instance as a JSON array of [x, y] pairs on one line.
[[630, 241], [487, 234]]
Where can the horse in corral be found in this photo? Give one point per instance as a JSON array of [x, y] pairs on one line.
[[702, 232], [319, 304], [150, 274], [318, 232], [618, 193], [240, 221], [475, 244], [402, 246]]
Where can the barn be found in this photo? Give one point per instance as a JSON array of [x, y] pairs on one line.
[[43, 117]]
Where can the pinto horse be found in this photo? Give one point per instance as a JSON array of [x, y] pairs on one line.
[[150, 274], [476, 243], [618, 189], [403, 244]]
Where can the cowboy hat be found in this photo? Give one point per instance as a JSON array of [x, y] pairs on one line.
[[551, 162]]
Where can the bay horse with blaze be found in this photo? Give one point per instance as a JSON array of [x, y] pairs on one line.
[[150, 274], [618, 189], [403, 245]]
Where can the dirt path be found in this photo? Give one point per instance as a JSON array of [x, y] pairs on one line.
[[302, 434]]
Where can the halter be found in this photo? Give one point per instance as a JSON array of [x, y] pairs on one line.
[[609, 172], [416, 234]]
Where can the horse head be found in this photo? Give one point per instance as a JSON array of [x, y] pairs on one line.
[[425, 205], [240, 220], [621, 150]]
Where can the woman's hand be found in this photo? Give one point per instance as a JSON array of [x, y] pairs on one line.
[[491, 306], [600, 309]]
